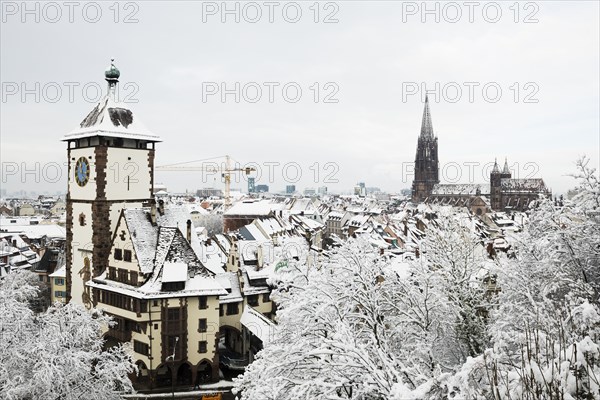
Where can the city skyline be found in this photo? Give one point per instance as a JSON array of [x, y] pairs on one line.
[[368, 135]]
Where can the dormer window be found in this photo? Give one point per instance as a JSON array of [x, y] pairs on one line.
[[174, 276]]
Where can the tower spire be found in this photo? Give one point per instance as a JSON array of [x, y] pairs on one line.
[[496, 169], [426, 125], [505, 170]]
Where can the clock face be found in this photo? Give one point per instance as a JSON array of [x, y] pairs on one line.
[[82, 171]]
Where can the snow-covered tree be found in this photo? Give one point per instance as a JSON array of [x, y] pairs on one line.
[[56, 354], [212, 222], [356, 324], [545, 328]]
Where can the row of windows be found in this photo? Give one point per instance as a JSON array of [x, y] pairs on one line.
[[124, 302], [123, 275], [253, 299], [124, 255], [232, 309]]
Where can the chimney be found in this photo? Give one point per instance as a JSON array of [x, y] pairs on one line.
[[189, 230], [259, 257], [153, 213]]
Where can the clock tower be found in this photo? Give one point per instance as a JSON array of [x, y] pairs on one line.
[[111, 166]]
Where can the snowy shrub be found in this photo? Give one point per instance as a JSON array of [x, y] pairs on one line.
[[56, 354]]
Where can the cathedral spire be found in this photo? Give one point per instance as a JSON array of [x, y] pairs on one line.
[[505, 170], [496, 169], [426, 125]]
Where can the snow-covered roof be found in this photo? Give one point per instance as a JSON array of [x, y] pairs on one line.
[[196, 286], [229, 281], [35, 231], [464, 189], [524, 185], [113, 119], [174, 272], [258, 324], [59, 273], [253, 208]]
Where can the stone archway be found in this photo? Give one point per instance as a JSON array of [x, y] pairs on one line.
[[163, 376], [184, 375], [204, 372], [231, 339], [143, 375]]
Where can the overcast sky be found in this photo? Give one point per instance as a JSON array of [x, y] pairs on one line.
[[370, 61]]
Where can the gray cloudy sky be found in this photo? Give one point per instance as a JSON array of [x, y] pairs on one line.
[[174, 55]]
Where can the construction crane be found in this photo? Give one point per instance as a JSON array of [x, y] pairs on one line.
[[225, 172]]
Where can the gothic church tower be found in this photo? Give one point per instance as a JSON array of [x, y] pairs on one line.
[[111, 166], [426, 159]]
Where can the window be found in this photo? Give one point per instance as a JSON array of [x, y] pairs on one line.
[[266, 298], [154, 303], [202, 346], [140, 347], [59, 293], [253, 300], [59, 281], [112, 273], [127, 255], [202, 325], [221, 313], [118, 254], [202, 303], [82, 219], [173, 286], [232, 308], [155, 326], [133, 277], [173, 314], [123, 273]]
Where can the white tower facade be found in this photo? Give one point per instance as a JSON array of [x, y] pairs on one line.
[[111, 166]]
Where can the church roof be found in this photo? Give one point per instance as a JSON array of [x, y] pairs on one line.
[[426, 124], [460, 189], [523, 185], [112, 118]]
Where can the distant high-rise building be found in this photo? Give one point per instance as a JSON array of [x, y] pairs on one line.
[[360, 189], [251, 187], [322, 190], [209, 192], [310, 191], [262, 188], [290, 189]]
